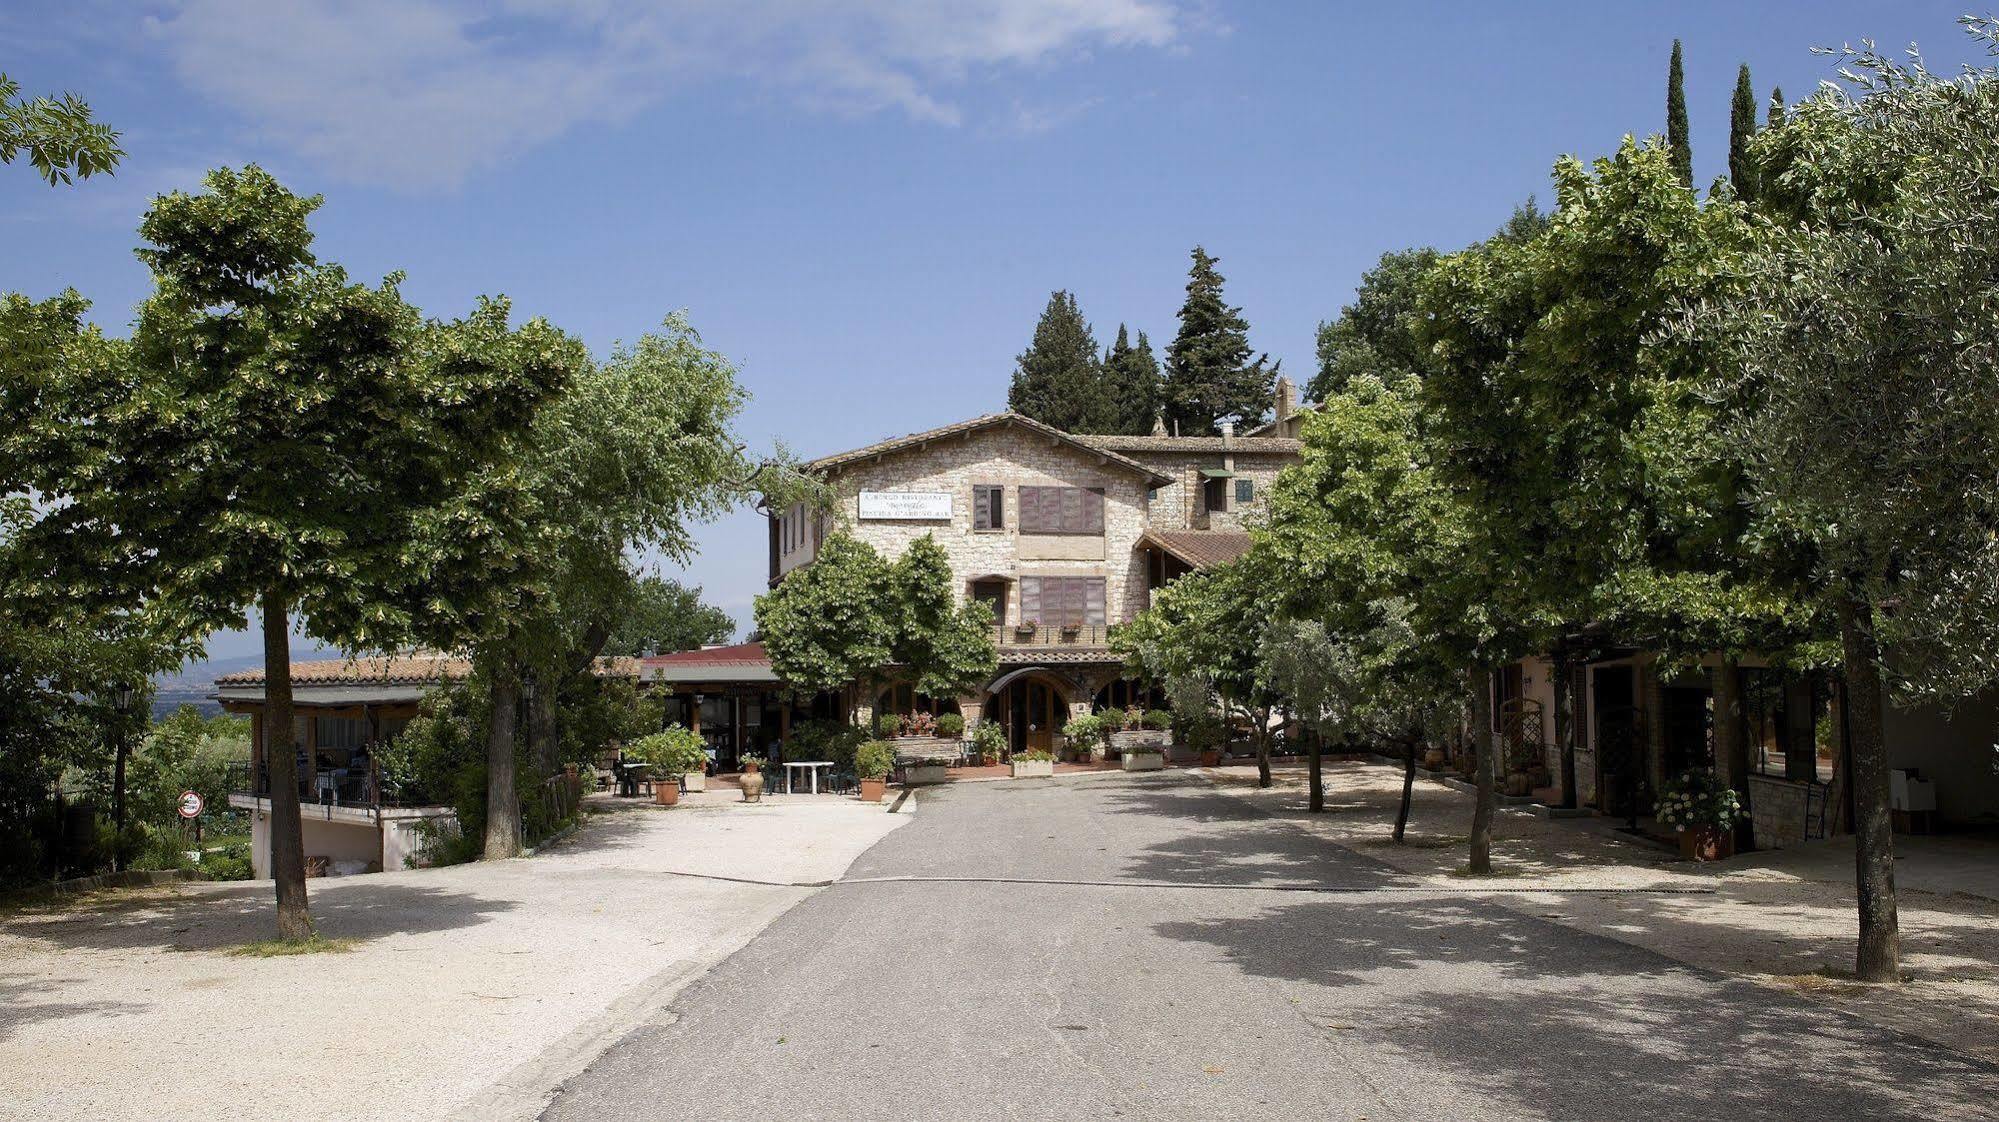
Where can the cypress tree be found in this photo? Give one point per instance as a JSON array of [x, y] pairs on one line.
[[1742, 126], [1057, 379], [1209, 377], [1676, 119], [1130, 386], [1776, 116]]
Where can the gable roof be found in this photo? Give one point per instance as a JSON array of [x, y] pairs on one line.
[[1247, 445], [1200, 549], [1083, 445]]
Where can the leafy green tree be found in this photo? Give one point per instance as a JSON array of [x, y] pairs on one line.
[[1209, 375], [1877, 432], [1742, 129], [945, 647], [1678, 140], [61, 139], [1374, 334], [1058, 379], [276, 437], [664, 615], [1130, 387]]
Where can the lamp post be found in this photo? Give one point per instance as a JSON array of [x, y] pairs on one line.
[[121, 700]]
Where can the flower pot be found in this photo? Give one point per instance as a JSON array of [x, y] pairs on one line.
[[872, 790], [1706, 843], [1211, 757], [917, 775], [1144, 760], [666, 793], [1519, 783], [753, 786], [695, 781], [1433, 760], [1023, 769]]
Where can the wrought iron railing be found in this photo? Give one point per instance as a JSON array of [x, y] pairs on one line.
[[1054, 635], [319, 786]]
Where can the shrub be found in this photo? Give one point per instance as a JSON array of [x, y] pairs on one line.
[[1160, 719], [888, 725], [229, 863], [1206, 733], [1038, 756], [1083, 732], [951, 726], [990, 740], [676, 751], [827, 740], [874, 760], [1698, 799], [1111, 720]]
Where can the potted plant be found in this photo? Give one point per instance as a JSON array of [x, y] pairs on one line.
[[670, 754], [1137, 735], [1026, 629], [951, 726], [888, 725], [872, 762], [1071, 630], [1703, 812], [1204, 735], [1033, 763], [753, 780], [989, 741], [1084, 735]]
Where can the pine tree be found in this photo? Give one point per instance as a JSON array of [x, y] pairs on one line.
[[1742, 126], [1776, 115], [1130, 386], [1058, 379], [1676, 119], [1209, 377]]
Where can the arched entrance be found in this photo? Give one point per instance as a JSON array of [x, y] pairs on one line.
[[1032, 705]]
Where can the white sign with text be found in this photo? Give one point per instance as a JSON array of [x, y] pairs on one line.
[[906, 504]]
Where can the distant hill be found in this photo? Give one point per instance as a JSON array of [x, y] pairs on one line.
[[194, 683]]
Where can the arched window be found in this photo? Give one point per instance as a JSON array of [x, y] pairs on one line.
[[1127, 694]]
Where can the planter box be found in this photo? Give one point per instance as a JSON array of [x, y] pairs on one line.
[[1145, 759], [695, 781], [1023, 769], [918, 775], [1141, 740], [909, 749]]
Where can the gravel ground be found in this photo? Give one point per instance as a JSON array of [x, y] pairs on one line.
[[1153, 947], [472, 990], [1783, 918]]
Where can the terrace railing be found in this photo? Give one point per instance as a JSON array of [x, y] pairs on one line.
[[1054, 635]]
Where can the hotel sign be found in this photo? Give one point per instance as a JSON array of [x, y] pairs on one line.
[[928, 505]]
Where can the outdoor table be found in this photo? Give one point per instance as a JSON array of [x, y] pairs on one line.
[[813, 765]]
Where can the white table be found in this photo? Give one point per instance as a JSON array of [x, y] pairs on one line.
[[812, 765]]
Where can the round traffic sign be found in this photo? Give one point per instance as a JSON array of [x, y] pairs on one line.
[[190, 804]]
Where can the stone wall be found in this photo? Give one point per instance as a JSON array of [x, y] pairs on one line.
[[1777, 811]]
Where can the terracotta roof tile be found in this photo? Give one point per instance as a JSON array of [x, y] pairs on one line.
[[1203, 549], [1082, 444], [396, 670], [1248, 445], [741, 654]]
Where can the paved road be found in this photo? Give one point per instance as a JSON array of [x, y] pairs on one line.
[[991, 993]]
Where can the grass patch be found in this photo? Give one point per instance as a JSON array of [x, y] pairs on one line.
[[281, 948]]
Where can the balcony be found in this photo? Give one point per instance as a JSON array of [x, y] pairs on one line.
[[1095, 635], [359, 788]]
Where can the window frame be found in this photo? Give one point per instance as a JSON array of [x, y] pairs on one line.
[[994, 510], [1032, 497], [1059, 615]]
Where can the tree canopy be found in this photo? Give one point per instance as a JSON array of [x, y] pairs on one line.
[[61, 139], [1209, 375]]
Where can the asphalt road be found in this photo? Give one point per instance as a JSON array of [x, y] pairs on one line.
[[1052, 970]]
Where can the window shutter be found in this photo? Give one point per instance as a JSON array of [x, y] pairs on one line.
[[1030, 599], [1072, 517], [1093, 601], [1093, 511], [982, 508], [1030, 510]]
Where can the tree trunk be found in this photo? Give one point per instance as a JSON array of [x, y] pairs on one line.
[[1731, 742], [1482, 753], [1262, 719], [281, 764], [1880, 952], [542, 740], [1315, 768], [1565, 724], [503, 803], [119, 752], [1408, 785]]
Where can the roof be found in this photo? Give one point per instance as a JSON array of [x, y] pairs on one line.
[[741, 654], [1247, 445], [1202, 549], [1086, 445], [395, 670], [743, 662]]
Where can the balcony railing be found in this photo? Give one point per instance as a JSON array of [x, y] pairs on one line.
[[359, 787], [1054, 635]]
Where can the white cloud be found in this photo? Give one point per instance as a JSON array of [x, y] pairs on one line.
[[421, 93]]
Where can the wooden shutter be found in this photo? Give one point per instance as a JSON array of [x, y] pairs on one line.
[[1072, 517], [1093, 511], [1030, 599], [982, 508], [1030, 510], [1093, 601]]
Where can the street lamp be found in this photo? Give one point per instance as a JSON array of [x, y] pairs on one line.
[[121, 700]]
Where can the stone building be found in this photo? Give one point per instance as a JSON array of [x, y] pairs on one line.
[[1064, 535]]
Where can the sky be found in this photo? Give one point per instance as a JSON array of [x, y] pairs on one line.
[[865, 204]]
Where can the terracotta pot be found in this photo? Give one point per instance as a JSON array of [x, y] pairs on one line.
[[753, 786], [1706, 843], [872, 790], [1433, 760], [1211, 757], [666, 793], [751, 767]]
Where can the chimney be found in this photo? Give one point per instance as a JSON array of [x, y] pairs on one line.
[[1287, 399]]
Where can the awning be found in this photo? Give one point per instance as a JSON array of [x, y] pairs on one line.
[[1217, 473], [1006, 679]]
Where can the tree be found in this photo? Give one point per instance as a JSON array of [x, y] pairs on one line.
[[850, 617], [1058, 379], [1130, 387], [1775, 116], [61, 139], [1741, 129], [663, 615], [1860, 327], [1374, 334], [1678, 142], [275, 436], [1209, 375]]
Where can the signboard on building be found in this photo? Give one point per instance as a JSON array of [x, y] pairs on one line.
[[927, 505]]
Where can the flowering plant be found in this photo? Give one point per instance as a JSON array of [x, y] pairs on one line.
[[1697, 799]]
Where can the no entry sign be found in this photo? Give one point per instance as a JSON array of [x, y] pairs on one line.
[[190, 805]]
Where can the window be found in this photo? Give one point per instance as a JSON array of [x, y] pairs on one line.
[[1245, 491], [1061, 510], [340, 733], [988, 506], [1215, 494], [1062, 601]]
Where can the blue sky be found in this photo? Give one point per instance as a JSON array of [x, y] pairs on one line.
[[866, 204]]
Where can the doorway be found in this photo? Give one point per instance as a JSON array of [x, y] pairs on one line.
[[1033, 712]]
